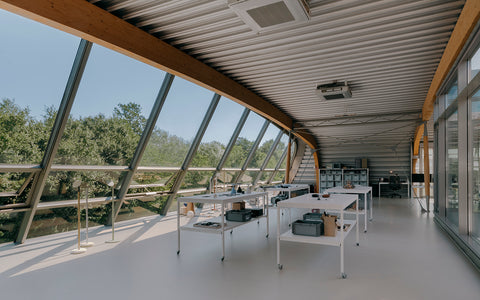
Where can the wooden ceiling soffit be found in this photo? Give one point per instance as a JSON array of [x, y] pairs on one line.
[[83, 19]]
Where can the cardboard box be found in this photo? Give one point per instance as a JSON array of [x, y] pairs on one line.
[[183, 210], [364, 163], [330, 225], [238, 205]]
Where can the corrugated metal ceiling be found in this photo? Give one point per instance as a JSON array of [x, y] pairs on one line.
[[387, 50]]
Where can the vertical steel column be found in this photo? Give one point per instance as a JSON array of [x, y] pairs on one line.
[[268, 157], [55, 137], [142, 144], [252, 151], [279, 163], [193, 149], [426, 165]]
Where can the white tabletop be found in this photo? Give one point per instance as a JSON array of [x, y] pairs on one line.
[[221, 197], [288, 187], [334, 202], [358, 189]]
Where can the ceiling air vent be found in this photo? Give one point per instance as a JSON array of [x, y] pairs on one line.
[[333, 90], [262, 15]]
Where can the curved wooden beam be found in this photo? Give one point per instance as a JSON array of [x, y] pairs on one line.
[[316, 159], [416, 141], [83, 19], [467, 21]]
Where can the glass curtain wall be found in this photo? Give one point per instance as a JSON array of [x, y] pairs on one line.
[[35, 61], [264, 147], [110, 110], [457, 162], [218, 134], [475, 201], [113, 102], [177, 124], [452, 168], [245, 141], [451, 93]]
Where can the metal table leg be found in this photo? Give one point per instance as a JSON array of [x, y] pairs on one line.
[[223, 230], [265, 205], [371, 206], [342, 270], [365, 207], [278, 239], [289, 211], [357, 229], [178, 226]]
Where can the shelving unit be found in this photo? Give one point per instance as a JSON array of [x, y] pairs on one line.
[[336, 202], [356, 176], [329, 178], [222, 199]]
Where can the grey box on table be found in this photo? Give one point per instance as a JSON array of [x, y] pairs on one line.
[[308, 228]]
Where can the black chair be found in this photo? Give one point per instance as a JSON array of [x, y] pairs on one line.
[[394, 185]]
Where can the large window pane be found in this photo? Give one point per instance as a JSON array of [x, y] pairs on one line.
[[452, 93], [14, 187], [59, 185], [146, 194], [113, 102], [277, 154], [248, 177], [197, 180], [218, 134], [452, 168], [245, 141], [264, 147], [35, 62], [177, 124], [279, 177], [59, 190], [475, 204], [56, 220], [474, 65], [9, 225], [225, 179]]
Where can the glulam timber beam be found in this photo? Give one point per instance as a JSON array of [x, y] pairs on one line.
[[85, 20], [466, 23]]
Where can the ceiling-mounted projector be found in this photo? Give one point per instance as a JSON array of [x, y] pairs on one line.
[[333, 90]]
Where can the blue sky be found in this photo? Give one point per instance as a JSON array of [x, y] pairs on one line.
[[35, 61]]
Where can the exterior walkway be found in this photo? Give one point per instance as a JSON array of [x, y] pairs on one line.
[[404, 255]]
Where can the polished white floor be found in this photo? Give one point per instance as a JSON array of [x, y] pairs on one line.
[[404, 255]]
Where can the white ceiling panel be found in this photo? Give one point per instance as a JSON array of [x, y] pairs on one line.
[[387, 50]]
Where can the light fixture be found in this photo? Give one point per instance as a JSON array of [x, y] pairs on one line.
[[263, 15]]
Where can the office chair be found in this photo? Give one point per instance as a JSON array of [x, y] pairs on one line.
[[394, 185]]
